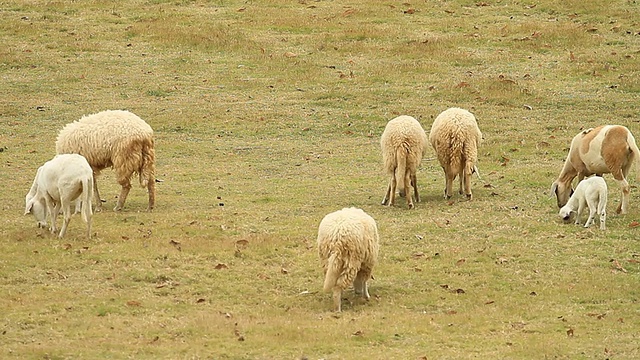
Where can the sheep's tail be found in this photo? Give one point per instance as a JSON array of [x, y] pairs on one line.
[[401, 169], [147, 170], [87, 196], [636, 153], [333, 272]]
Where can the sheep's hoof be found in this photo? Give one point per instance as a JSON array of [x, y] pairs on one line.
[[411, 206], [469, 196]]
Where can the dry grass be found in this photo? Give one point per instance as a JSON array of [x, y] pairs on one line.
[[268, 117]]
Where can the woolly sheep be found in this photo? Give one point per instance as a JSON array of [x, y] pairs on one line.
[[455, 137], [604, 149], [58, 182], [403, 145], [348, 249], [117, 139], [591, 192]]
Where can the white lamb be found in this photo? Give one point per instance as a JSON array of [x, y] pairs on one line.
[[348, 249], [57, 184], [403, 145], [117, 139], [455, 137], [591, 192]]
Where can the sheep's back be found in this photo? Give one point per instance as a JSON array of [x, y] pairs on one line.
[[100, 137], [350, 232], [452, 131], [402, 132]]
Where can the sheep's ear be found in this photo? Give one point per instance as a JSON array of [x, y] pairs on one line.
[[554, 189]]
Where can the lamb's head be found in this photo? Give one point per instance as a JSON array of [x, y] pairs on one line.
[[37, 208], [562, 192], [565, 213]]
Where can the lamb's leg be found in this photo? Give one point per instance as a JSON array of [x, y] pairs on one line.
[[581, 205], [78, 205], [592, 214], [602, 209], [52, 213], [126, 186], [66, 213]]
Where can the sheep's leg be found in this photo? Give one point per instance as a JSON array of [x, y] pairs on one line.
[[360, 284], [450, 177], [96, 193], [623, 207], [126, 186], [337, 299], [389, 198], [151, 188], [407, 184], [467, 184], [414, 183]]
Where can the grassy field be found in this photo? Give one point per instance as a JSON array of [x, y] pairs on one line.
[[267, 116]]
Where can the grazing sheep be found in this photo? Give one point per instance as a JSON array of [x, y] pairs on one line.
[[455, 137], [58, 182], [403, 145], [348, 249], [604, 149], [591, 192], [117, 139]]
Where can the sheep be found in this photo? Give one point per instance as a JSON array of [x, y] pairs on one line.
[[403, 144], [58, 182], [604, 149], [455, 137], [348, 250], [117, 139], [591, 192]]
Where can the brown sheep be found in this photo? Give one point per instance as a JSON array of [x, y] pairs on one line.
[[604, 149]]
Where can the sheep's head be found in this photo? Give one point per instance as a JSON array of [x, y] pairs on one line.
[[562, 192], [37, 208]]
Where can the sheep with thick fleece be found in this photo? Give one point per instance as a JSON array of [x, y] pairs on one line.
[[59, 182], [604, 149], [591, 192], [455, 137], [348, 249], [403, 145], [117, 139]]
